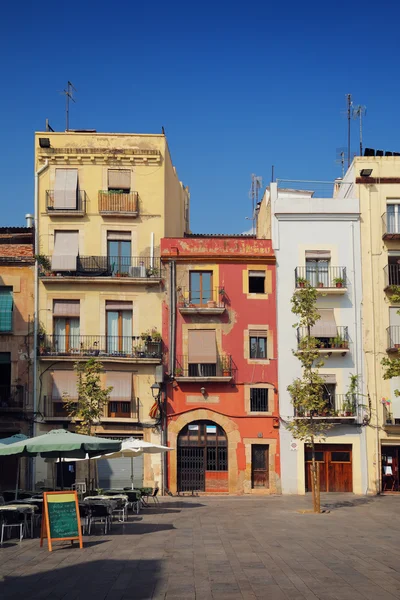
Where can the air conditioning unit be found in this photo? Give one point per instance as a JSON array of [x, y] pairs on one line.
[[137, 272]]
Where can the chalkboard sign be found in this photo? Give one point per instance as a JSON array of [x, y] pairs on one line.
[[60, 519]]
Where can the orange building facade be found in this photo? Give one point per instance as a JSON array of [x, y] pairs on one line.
[[221, 405]]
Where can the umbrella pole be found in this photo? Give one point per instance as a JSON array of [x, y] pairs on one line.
[[132, 471], [62, 473], [17, 482], [89, 488]]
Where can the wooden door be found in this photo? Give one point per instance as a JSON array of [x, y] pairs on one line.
[[335, 467], [320, 458], [259, 466]]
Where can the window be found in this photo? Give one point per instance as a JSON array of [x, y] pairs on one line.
[[319, 456], [258, 343], [66, 189], [200, 283], [119, 180], [121, 393], [202, 353], [66, 250], [256, 282], [259, 399], [66, 314], [393, 216], [394, 269], [119, 251], [6, 309], [317, 267], [119, 327], [340, 456]]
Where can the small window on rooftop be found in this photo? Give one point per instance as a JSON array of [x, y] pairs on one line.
[[256, 282]]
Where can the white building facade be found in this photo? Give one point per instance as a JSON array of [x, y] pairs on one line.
[[318, 240]]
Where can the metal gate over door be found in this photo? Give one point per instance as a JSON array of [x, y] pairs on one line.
[[116, 472]]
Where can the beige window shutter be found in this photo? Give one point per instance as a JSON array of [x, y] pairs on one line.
[[65, 253], [119, 235], [65, 188], [119, 179], [256, 273], [60, 184], [121, 382], [118, 305], [326, 325], [66, 308], [258, 333], [64, 382], [318, 254], [328, 378], [202, 346]]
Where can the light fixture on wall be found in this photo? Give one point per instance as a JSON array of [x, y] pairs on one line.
[[155, 390], [203, 391], [366, 172]]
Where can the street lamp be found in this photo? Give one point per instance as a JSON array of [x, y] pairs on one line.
[[155, 390]]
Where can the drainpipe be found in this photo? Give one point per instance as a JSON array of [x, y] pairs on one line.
[[172, 320], [151, 249], [36, 300]]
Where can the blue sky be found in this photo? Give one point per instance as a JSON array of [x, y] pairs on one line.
[[237, 89]]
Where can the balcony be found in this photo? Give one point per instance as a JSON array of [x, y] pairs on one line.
[[393, 338], [104, 347], [341, 408], [390, 226], [12, 398], [114, 410], [392, 275], [204, 302], [118, 204], [390, 423], [221, 371], [338, 344], [117, 269], [326, 280], [56, 211]]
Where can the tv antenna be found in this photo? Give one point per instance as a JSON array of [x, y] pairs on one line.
[[349, 103], [256, 184], [358, 112], [341, 156], [68, 93]]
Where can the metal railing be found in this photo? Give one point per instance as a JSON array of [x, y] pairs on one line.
[[319, 276], [393, 334], [205, 298], [125, 409], [100, 345], [337, 405], [118, 202], [79, 208], [12, 397], [223, 367], [392, 274], [136, 267], [340, 340], [390, 226]]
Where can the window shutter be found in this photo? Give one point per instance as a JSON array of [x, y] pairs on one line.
[[119, 179], [326, 325], [256, 273], [118, 305], [66, 248], [258, 333], [66, 308], [202, 346], [328, 378], [65, 188], [394, 317], [121, 382], [64, 382], [119, 235], [318, 254], [6, 308]]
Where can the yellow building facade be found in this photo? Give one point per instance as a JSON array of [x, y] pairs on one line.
[[103, 202]]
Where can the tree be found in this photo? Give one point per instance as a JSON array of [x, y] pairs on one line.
[[91, 396], [306, 392], [392, 365]]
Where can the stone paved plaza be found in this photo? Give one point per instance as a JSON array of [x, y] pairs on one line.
[[225, 548]]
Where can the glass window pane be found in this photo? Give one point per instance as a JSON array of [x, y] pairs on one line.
[[206, 287], [340, 456], [112, 331], [262, 347], [195, 287], [319, 456]]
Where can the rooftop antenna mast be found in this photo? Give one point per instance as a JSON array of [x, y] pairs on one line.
[[349, 115], [256, 184], [358, 112], [341, 158], [68, 96]]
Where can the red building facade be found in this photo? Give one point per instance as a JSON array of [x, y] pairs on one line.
[[219, 324]]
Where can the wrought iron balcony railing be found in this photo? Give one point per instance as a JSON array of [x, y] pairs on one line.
[[223, 367], [114, 409], [79, 208], [321, 276], [337, 406], [392, 275], [134, 267], [100, 345], [339, 341], [117, 203], [205, 298], [12, 397], [390, 226]]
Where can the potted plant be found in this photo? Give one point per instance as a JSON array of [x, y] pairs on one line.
[[152, 272], [44, 262], [301, 282], [178, 372], [338, 281], [320, 284], [155, 335], [211, 304]]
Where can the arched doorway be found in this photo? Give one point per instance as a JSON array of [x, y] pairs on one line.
[[202, 458]]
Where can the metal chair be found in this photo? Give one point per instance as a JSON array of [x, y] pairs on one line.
[[101, 513], [154, 495], [11, 519], [121, 509]]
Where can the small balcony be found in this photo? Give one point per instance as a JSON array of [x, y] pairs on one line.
[[12, 398], [390, 423], [114, 410], [326, 280], [201, 302], [341, 408], [393, 338], [390, 226], [78, 210], [392, 275], [222, 371], [126, 348], [118, 204], [337, 344], [117, 269]]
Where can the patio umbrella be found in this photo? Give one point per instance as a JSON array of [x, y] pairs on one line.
[[18, 437], [60, 443]]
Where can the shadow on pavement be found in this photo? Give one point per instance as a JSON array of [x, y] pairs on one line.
[[129, 578], [332, 504]]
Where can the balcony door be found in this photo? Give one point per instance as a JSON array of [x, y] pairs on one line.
[[393, 217], [66, 321], [119, 327], [202, 353], [317, 272], [200, 287], [119, 251]]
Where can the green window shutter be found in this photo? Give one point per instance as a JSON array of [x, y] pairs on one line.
[[6, 309]]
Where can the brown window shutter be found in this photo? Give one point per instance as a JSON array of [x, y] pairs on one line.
[[258, 333], [66, 248], [326, 325], [64, 382], [118, 305], [119, 179], [318, 254], [121, 382], [202, 346], [66, 308]]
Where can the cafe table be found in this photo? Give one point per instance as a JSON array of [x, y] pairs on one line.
[[24, 509]]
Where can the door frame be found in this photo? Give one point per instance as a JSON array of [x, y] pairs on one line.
[[327, 449], [266, 455]]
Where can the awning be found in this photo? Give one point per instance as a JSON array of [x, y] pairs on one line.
[[318, 254], [66, 308], [202, 346], [65, 188], [328, 378], [64, 382], [121, 382], [118, 305], [119, 179], [66, 248], [6, 309], [263, 333], [325, 327]]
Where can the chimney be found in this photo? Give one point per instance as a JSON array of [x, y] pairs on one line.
[[29, 220]]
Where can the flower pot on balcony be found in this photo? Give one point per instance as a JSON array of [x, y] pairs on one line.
[[397, 345], [211, 304], [344, 345], [226, 372], [320, 284], [339, 285]]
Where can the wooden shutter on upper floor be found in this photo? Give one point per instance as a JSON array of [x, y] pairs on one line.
[[202, 346], [64, 382], [119, 179]]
